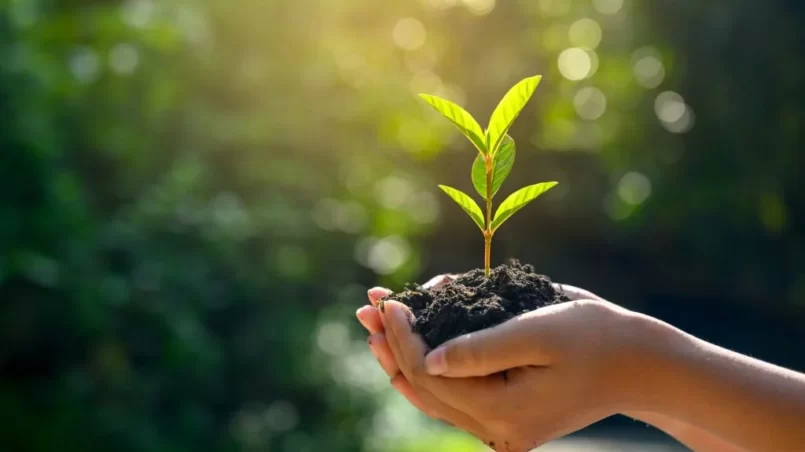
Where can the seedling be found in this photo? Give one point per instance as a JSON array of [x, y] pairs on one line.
[[494, 161]]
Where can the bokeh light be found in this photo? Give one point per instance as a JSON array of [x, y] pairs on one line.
[[575, 64], [672, 111], [138, 13], [634, 188], [585, 33], [479, 7], [441, 4], [281, 416], [669, 106], [124, 58], [422, 61], [333, 338], [608, 7], [409, 34], [555, 8], [590, 103], [383, 255], [648, 68], [85, 64]]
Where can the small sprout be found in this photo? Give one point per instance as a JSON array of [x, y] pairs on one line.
[[492, 165]]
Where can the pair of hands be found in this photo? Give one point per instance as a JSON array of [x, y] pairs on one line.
[[564, 369]]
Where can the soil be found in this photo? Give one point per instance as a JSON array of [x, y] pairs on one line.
[[473, 302]]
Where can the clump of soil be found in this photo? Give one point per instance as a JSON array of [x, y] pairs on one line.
[[474, 302]]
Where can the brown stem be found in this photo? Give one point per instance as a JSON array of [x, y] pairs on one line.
[[487, 253], [488, 231]]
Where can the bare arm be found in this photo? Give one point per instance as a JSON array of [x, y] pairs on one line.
[[756, 405], [691, 436]]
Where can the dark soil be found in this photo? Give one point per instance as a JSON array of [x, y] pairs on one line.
[[473, 302]]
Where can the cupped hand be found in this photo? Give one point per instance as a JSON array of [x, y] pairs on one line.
[[563, 367], [371, 318]]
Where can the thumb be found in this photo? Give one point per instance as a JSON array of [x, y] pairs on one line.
[[511, 344]]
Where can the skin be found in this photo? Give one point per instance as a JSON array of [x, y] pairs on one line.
[[573, 364]]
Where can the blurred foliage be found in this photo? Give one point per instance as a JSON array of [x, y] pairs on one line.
[[195, 195]]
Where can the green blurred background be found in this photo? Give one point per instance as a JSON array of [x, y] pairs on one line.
[[195, 196]]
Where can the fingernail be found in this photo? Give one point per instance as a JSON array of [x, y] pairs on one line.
[[376, 293], [436, 362], [396, 379], [360, 313]]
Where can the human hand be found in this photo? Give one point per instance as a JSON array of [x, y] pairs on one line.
[[693, 436], [534, 404], [370, 317]]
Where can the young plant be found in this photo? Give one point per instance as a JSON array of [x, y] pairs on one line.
[[494, 160]]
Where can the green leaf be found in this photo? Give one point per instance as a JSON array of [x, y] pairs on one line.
[[466, 203], [458, 116], [508, 109], [501, 167], [518, 200]]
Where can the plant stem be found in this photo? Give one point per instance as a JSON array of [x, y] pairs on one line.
[[488, 232], [487, 253]]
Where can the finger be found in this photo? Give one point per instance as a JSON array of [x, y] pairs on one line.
[[576, 293], [409, 351], [375, 294], [427, 404], [403, 386], [434, 408], [444, 409], [398, 320], [382, 353], [380, 349], [438, 281], [369, 317], [512, 344]]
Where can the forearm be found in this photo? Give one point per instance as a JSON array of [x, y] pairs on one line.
[[691, 436], [752, 404]]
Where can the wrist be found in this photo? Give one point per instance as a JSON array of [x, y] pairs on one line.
[[647, 352]]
